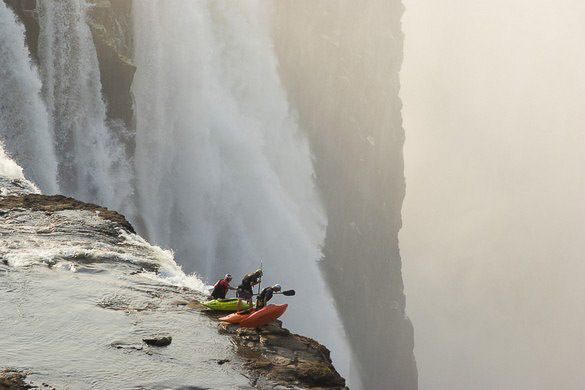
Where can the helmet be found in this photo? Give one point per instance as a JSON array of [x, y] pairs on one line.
[[259, 272], [228, 276], [276, 287]]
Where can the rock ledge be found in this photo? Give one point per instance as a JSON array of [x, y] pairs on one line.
[[54, 203], [280, 359]]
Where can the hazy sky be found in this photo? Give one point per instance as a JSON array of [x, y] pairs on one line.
[[493, 242]]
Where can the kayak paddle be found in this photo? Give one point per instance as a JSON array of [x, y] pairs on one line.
[[288, 293]]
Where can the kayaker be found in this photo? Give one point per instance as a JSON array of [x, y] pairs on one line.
[[244, 291], [222, 287], [266, 295]]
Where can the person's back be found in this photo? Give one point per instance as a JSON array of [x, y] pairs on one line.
[[244, 291], [221, 287], [250, 280]]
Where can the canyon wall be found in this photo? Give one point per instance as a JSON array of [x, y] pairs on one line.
[[340, 62]]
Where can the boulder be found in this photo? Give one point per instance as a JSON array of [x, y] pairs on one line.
[[158, 341], [13, 380]]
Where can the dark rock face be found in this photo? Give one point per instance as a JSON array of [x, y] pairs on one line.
[[54, 203], [158, 341], [340, 62], [280, 358], [13, 380], [110, 22], [111, 25]]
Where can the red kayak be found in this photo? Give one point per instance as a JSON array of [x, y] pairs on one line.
[[236, 318], [263, 316]]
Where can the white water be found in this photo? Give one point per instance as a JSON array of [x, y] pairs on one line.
[[224, 174], [92, 163], [24, 123], [8, 168]]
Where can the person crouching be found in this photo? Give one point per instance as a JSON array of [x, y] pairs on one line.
[[266, 295]]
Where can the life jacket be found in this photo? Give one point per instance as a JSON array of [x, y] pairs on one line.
[[248, 281], [264, 296], [220, 289]]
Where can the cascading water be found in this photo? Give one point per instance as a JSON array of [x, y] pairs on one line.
[[92, 162], [24, 122], [224, 175]]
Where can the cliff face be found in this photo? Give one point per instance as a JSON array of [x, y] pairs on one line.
[[340, 62], [111, 25]]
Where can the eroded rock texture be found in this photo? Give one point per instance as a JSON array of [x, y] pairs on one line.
[[277, 357]]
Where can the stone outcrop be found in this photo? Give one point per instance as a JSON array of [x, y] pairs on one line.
[[13, 380], [159, 341], [54, 203], [276, 357], [340, 62]]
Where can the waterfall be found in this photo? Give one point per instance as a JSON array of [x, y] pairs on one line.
[[91, 160], [224, 174], [24, 122]]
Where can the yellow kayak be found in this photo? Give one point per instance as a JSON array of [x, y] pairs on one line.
[[230, 304]]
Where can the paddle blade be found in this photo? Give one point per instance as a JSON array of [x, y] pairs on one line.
[[289, 293]]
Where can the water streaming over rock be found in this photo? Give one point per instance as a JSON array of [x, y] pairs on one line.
[[24, 122], [224, 174], [79, 292], [92, 162]]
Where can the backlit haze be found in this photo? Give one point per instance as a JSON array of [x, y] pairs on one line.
[[493, 241]]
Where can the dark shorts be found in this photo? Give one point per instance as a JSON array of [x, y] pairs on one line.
[[244, 294]]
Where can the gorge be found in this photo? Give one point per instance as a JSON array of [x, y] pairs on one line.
[[208, 125]]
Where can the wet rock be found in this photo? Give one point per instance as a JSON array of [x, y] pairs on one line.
[[110, 22], [159, 341], [274, 328], [280, 359], [227, 328], [13, 380], [54, 203], [317, 373]]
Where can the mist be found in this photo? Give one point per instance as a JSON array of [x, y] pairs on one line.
[[493, 235]]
